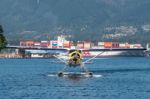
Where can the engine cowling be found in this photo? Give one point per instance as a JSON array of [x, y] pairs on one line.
[[75, 57]]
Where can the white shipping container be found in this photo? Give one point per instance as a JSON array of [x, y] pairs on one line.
[[44, 41], [137, 45], [122, 45], [80, 45], [131, 46], [87, 45], [100, 43], [73, 47], [37, 44]]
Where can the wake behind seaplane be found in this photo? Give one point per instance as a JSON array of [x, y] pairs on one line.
[[74, 58]]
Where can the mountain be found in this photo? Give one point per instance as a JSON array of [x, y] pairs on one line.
[[38, 19]]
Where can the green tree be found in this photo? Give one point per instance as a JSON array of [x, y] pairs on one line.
[[3, 41]]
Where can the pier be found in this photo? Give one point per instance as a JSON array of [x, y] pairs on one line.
[[10, 55]]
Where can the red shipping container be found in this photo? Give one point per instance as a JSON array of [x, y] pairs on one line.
[[54, 46], [67, 44], [108, 44]]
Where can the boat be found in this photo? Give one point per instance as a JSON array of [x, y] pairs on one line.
[[112, 52]]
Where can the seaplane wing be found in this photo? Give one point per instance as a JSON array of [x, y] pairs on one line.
[[61, 59], [93, 57], [101, 51], [37, 48], [72, 52]]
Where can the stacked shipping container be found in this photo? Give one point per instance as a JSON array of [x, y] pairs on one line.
[[27, 43], [87, 45], [84, 45], [54, 44], [80, 45], [115, 44], [45, 43], [66, 44], [107, 44]]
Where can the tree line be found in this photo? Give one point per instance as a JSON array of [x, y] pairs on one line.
[[3, 41]]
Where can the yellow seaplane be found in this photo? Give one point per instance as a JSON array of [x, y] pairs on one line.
[[74, 58]]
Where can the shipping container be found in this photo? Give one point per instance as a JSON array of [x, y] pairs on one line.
[[72, 43], [22, 43], [127, 46], [115, 44], [72, 47], [49, 44], [54, 44], [27, 43], [30, 43], [137, 46], [66, 44], [122, 45], [131, 45], [92, 44], [37, 44], [100, 43], [107, 44], [80, 45], [87, 45], [44, 43]]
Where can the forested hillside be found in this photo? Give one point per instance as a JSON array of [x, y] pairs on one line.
[[41, 19]]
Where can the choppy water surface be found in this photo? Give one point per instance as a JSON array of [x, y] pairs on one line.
[[122, 78]]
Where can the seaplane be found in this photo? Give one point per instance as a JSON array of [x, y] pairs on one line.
[[74, 58]]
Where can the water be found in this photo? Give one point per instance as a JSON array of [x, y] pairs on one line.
[[122, 78]]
